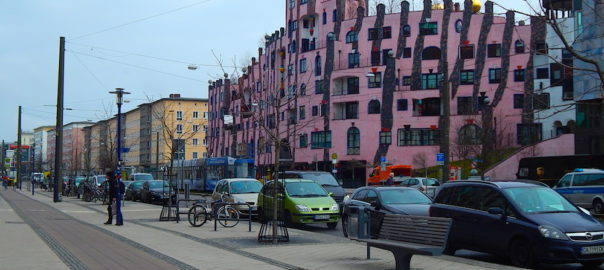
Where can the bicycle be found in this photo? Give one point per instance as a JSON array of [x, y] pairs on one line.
[[201, 212]]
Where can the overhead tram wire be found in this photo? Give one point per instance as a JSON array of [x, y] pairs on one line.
[[142, 19]]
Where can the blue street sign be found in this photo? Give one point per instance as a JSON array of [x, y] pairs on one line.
[[440, 158], [125, 149], [383, 159]]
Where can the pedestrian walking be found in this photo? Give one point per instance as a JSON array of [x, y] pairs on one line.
[[111, 209], [390, 180], [5, 182]]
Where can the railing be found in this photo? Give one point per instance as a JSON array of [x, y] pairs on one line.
[[218, 205]]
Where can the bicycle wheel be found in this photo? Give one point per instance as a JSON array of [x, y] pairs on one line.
[[197, 215], [228, 216]]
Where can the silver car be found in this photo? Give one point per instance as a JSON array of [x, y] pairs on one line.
[[238, 190], [584, 188], [426, 185]]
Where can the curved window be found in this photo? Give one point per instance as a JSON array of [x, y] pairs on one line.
[[469, 134], [431, 53], [458, 26], [352, 36], [374, 107], [318, 65], [407, 30], [519, 45], [353, 141]]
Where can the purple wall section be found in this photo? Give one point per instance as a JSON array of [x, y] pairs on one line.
[[560, 146], [263, 79]]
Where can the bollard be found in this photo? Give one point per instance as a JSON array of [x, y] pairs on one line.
[[187, 192]]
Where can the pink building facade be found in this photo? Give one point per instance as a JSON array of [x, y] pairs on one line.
[[368, 88]]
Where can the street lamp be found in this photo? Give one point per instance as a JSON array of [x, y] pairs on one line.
[[119, 93]]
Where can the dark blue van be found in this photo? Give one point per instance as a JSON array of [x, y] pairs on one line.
[[525, 221]]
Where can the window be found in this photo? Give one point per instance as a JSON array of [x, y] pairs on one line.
[[406, 30], [205, 128], [302, 65], [324, 17], [541, 47], [323, 108], [375, 81], [407, 52], [195, 141], [465, 105], [373, 107], [528, 133], [401, 105], [354, 60], [374, 33], [352, 36], [353, 141], [466, 51], [303, 139], [292, 3], [334, 15], [195, 128], [302, 112], [385, 137], [319, 87], [346, 110], [542, 73], [320, 139], [494, 75], [179, 129], [518, 101], [541, 101], [385, 55], [519, 46], [353, 85], [431, 53], [431, 80], [315, 110], [426, 107], [406, 80], [302, 2], [519, 75], [466, 76], [375, 57], [469, 135], [178, 115], [428, 28], [303, 89], [458, 26], [493, 50], [417, 136], [318, 65], [195, 115], [387, 32], [291, 48], [556, 77]]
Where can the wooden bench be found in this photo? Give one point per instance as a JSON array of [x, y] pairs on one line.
[[406, 236]]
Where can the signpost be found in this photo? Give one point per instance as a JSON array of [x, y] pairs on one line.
[[440, 159], [383, 163]]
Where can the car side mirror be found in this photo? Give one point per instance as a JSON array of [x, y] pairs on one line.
[[375, 204], [330, 194], [495, 211]]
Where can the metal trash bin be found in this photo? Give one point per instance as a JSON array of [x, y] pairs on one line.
[[358, 223]]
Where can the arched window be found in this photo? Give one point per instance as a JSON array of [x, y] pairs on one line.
[[519, 45], [407, 30], [352, 36], [469, 134], [353, 141], [458, 26], [431, 53], [318, 65], [374, 107]]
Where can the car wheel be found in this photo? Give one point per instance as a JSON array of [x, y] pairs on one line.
[[598, 206], [592, 264], [345, 226], [332, 225], [521, 254]]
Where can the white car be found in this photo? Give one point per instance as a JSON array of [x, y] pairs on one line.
[[423, 184], [238, 190]]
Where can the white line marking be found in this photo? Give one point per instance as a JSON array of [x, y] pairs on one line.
[[38, 210], [139, 210]]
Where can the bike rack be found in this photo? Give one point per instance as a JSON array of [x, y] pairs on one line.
[[217, 205], [187, 206]]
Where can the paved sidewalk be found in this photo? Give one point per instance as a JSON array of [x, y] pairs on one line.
[[183, 246]]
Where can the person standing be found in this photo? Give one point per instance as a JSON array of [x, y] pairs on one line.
[[113, 187], [390, 180]]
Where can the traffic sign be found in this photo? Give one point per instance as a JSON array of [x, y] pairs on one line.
[[383, 159], [440, 158], [334, 156]]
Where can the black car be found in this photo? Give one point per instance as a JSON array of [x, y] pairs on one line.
[[385, 200], [325, 179], [525, 221], [133, 191], [157, 191]]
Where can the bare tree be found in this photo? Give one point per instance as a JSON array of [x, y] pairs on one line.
[[421, 160]]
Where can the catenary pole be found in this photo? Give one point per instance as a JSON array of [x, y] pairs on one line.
[[57, 182]]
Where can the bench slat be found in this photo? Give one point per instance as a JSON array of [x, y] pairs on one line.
[[427, 233]]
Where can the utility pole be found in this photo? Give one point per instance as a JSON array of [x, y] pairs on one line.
[[157, 154], [19, 149], [33, 168], [445, 120], [2, 171], [58, 182]]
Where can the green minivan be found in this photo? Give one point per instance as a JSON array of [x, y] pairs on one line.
[[304, 202]]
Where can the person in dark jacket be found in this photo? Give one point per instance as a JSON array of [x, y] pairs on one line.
[[390, 180], [112, 183]]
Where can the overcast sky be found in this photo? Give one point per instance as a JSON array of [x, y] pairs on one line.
[[144, 46]]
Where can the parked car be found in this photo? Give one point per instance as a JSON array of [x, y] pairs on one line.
[[525, 221], [239, 190], [157, 191], [140, 176], [133, 191], [98, 179], [325, 179], [304, 200], [423, 184], [385, 200], [584, 187]]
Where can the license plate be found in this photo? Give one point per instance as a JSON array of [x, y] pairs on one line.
[[321, 217], [592, 250]]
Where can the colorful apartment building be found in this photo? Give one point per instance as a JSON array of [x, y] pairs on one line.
[[73, 145], [368, 88]]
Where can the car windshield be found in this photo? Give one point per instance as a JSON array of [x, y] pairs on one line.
[[403, 196], [534, 200], [240, 187], [100, 178], [158, 184], [325, 179], [143, 177], [304, 189]]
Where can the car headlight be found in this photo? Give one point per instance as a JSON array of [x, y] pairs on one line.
[[335, 207], [551, 232], [302, 208]]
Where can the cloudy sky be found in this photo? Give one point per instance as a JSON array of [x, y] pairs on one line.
[[144, 46]]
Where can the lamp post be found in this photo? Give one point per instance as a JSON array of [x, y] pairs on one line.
[[119, 92]]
